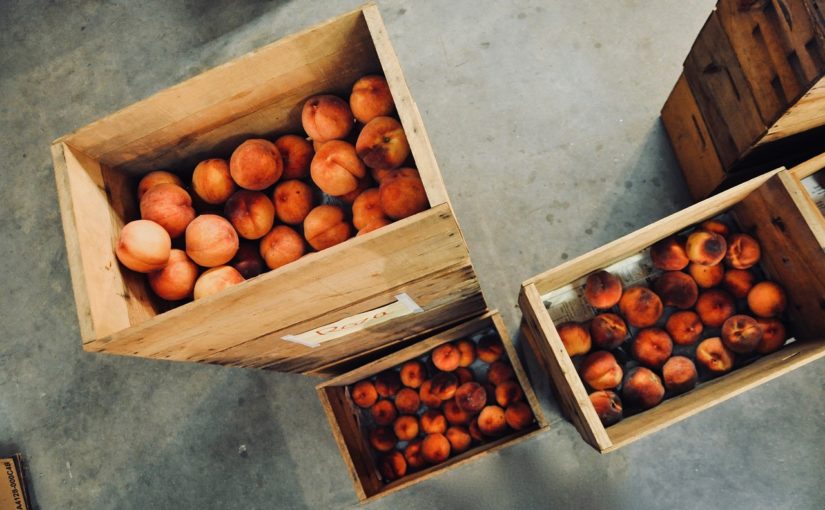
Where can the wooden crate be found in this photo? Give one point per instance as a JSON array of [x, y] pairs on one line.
[[809, 194], [348, 427], [766, 208], [258, 95]]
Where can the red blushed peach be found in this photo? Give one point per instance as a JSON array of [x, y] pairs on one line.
[[715, 226], [296, 154], [471, 397], [383, 412], [773, 335], [518, 416], [168, 205], [467, 352], [741, 334], [428, 398], [413, 374], [669, 254], [413, 455], [475, 431], [326, 117], [602, 290], [608, 407], [177, 278], [706, 248], [714, 306], [407, 401], [212, 182], [211, 240], [143, 246], [433, 422], [464, 375], [378, 174], [366, 208], [706, 276], [455, 415], [154, 178], [248, 260], [508, 392], [642, 388], [373, 225], [601, 371], [364, 395], [256, 164], [652, 347], [281, 246], [641, 307], [446, 357], [336, 168], [684, 327], [738, 282], [387, 383], [406, 427], [607, 331], [498, 372], [402, 193], [676, 288], [393, 466], [489, 349], [575, 337], [459, 439], [444, 385], [767, 299], [679, 374], [216, 280], [383, 439], [435, 448], [325, 226], [371, 98], [712, 354], [743, 251], [251, 213], [492, 421], [293, 200], [383, 143]]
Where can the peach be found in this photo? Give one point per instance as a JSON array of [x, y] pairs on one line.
[[378, 174], [767, 299], [168, 205], [464, 375], [326, 117], [669, 254], [406, 427], [251, 213], [575, 337], [601, 371], [435, 448], [743, 251], [741, 334], [362, 186], [444, 385], [256, 164], [712, 354], [366, 208], [641, 307], [428, 398], [508, 392], [471, 397], [143, 246], [373, 225], [489, 349], [402, 193], [518, 416], [607, 331], [678, 289], [325, 226], [773, 335], [281, 246], [293, 200], [706, 276], [387, 383], [296, 154], [642, 388], [475, 432], [602, 290], [157, 177], [608, 406], [433, 422], [413, 374], [412, 453], [446, 357], [679, 374], [738, 282], [684, 327], [371, 98], [714, 306], [498, 372], [336, 168], [706, 248], [212, 182], [215, 280], [211, 240], [652, 347], [383, 412], [176, 280], [459, 439], [467, 352], [715, 226], [382, 439], [382, 143], [492, 421], [392, 466], [364, 395], [455, 414], [248, 260], [407, 401]]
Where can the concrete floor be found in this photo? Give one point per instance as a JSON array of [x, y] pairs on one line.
[[544, 118]]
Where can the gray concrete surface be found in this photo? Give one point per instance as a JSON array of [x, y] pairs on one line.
[[544, 118]]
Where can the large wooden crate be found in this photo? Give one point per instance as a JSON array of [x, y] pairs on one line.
[[766, 208], [259, 95]]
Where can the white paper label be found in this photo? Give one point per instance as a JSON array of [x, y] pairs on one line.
[[815, 189]]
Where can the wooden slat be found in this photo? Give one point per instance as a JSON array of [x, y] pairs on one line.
[[807, 113], [808, 167], [806, 206]]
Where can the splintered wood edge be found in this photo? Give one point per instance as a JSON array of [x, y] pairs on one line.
[[806, 206]]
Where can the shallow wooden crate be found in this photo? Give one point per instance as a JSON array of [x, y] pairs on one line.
[[765, 207], [258, 95], [347, 427]]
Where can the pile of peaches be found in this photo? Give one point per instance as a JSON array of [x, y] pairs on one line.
[[272, 202], [429, 409], [708, 308]]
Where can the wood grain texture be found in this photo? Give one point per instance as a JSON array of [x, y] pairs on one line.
[[805, 114], [807, 207]]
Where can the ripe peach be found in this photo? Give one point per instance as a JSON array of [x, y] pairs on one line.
[[676, 288], [467, 352], [706, 248], [393, 466], [212, 182], [459, 439], [402, 193], [413, 374], [326, 117], [714, 306], [383, 412], [143, 246], [444, 385], [641, 307], [168, 205], [642, 388], [433, 422], [435, 448], [251, 213], [407, 401], [608, 331], [387, 383], [773, 335], [215, 280], [684, 327], [336, 168], [211, 240], [475, 432], [498, 372], [371, 98], [601, 371], [157, 177], [743, 251], [176, 280], [378, 174], [518, 416], [455, 414], [767, 299], [248, 260], [471, 397], [706, 276], [296, 153], [575, 337], [383, 143], [406, 427], [602, 290], [256, 164], [366, 208], [489, 349], [293, 200], [712, 354], [281, 246], [738, 282], [669, 254], [428, 398], [741, 334], [715, 226], [652, 347], [364, 395], [373, 225], [325, 226], [446, 357], [412, 453], [492, 421], [464, 375], [382, 439], [608, 406], [679, 374], [508, 392]]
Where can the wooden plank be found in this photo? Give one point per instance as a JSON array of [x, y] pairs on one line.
[[806, 206], [808, 167], [806, 114]]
